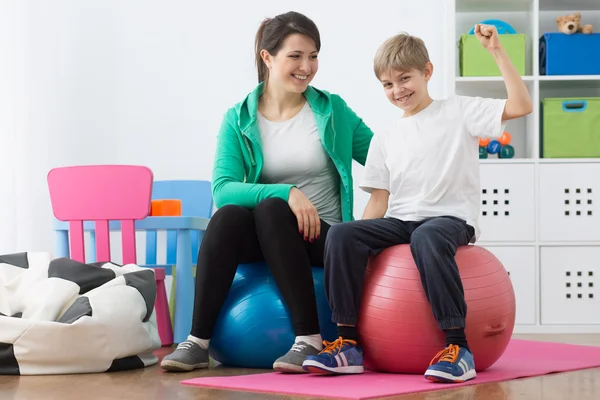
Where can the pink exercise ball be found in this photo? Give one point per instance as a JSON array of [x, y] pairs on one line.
[[397, 330]]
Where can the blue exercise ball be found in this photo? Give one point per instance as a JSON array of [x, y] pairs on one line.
[[254, 327]]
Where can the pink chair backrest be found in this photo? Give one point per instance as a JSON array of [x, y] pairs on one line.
[[101, 193]]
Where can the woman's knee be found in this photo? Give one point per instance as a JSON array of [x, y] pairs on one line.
[[272, 208], [229, 212], [229, 218]]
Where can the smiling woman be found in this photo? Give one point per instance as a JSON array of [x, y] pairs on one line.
[[281, 178], [301, 37]]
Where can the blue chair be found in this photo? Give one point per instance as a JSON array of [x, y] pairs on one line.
[[196, 201]]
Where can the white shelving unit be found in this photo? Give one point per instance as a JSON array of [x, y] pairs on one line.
[[541, 217]]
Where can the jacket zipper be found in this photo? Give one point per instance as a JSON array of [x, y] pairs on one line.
[[333, 145], [333, 129], [248, 148], [334, 160]]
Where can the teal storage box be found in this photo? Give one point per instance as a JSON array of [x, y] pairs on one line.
[[477, 61], [570, 128]]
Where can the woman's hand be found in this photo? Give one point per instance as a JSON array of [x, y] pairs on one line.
[[309, 223]]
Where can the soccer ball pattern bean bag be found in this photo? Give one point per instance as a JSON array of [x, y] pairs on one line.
[[64, 317]]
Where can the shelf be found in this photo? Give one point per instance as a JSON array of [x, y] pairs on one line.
[[488, 86], [593, 243], [488, 78], [569, 78], [525, 5], [493, 5], [568, 5], [492, 243], [506, 160], [568, 160], [527, 78], [494, 160], [562, 88]]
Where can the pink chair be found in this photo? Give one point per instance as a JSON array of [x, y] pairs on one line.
[[103, 193]]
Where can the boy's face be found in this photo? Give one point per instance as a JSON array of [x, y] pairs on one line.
[[408, 89]]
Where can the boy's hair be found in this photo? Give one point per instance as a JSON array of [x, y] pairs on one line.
[[402, 52]]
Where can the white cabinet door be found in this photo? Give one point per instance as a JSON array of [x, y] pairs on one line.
[[569, 284], [507, 202], [569, 202]]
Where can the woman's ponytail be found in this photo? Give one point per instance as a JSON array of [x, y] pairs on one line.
[[260, 65]]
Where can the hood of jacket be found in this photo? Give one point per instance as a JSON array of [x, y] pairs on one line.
[[247, 109]]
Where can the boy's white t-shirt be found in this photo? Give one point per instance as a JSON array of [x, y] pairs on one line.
[[429, 162]]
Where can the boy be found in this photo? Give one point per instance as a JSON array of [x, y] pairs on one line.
[[423, 177]]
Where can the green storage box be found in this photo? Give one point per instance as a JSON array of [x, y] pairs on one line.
[[570, 128], [477, 61]]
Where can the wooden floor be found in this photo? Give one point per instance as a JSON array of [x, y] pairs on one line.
[[153, 383]]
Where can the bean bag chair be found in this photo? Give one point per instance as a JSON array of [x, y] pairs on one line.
[[64, 317]]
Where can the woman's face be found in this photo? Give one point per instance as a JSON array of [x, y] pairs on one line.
[[295, 65]]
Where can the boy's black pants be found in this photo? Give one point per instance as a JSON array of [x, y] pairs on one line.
[[433, 243]]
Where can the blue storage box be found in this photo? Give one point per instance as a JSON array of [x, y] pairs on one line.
[[577, 54]]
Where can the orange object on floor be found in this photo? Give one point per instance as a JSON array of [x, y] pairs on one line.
[[165, 208]]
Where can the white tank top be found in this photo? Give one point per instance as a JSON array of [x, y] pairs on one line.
[[293, 154]]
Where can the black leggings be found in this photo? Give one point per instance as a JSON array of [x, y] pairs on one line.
[[237, 235]]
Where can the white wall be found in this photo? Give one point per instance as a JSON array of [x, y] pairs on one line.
[[7, 126], [147, 82]]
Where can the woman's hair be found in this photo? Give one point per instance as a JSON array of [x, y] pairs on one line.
[[273, 31]]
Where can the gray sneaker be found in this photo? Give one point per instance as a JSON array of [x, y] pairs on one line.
[[291, 361], [187, 356]]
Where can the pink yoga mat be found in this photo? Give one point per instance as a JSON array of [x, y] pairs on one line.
[[523, 358]]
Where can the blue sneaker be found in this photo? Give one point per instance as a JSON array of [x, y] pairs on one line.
[[454, 365], [343, 356]]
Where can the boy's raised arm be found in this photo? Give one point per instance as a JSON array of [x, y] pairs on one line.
[[519, 102]]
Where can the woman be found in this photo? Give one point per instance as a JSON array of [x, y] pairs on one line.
[[282, 177]]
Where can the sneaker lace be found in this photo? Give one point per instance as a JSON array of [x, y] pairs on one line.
[[449, 354], [298, 347], [335, 346], [185, 345]]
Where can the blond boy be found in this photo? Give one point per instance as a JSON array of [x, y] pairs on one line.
[[423, 179]]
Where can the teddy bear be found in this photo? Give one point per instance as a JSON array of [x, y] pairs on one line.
[[570, 24]]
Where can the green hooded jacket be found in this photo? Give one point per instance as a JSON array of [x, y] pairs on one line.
[[239, 158]]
